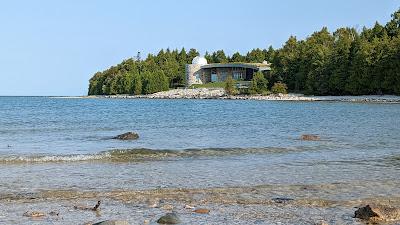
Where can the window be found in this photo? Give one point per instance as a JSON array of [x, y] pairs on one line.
[[214, 77], [237, 75]]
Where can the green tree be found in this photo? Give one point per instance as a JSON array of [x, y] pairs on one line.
[[259, 84]]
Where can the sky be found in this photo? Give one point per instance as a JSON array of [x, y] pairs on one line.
[[53, 47]]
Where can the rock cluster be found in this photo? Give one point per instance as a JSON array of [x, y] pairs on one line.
[[378, 213]]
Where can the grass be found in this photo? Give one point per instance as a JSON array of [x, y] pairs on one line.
[[209, 85]]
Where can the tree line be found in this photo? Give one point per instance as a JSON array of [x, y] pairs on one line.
[[345, 62]]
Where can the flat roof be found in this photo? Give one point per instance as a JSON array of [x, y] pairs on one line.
[[255, 66]]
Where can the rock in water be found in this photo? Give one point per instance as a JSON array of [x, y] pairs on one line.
[[202, 211], [112, 222], [127, 136], [169, 218], [310, 137], [378, 213]]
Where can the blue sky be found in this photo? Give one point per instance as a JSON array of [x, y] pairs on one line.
[[52, 47]]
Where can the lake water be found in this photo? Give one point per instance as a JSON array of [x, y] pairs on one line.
[[52, 144]]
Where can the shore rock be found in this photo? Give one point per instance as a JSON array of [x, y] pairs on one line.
[[310, 137], [112, 222], [378, 213], [202, 211], [127, 136], [282, 200], [169, 218], [34, 214]]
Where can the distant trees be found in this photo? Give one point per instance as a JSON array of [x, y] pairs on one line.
[[345, 62]]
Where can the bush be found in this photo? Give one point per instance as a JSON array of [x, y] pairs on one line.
[[230, 88], [279, 87], [259, 84]]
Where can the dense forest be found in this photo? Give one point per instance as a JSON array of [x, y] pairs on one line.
[[345, 62]]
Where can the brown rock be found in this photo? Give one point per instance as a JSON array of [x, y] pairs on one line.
[[127, 136], [202, 211], [310, 137], [378, 213]]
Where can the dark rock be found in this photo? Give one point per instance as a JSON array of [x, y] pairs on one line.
[[127, 136], [378, 213], [112, 222], [169, 218], [282, 200], [310, 137]]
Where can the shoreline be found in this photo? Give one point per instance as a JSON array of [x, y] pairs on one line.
[[219, 94], [264, 204]]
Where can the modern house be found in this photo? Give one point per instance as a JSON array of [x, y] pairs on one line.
[[200, 72]]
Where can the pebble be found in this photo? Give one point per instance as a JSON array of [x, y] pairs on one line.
[[202, 211], [112, 222]]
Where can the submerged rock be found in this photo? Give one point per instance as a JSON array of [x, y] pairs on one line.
[[282, 200], [378, 213], [34, 214], [202, 211], [169, 218], [127, 136], [310, 137], [112, 222]]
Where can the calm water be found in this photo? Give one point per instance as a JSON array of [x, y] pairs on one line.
[[232, 143]]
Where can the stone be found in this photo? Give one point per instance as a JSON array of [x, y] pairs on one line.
[[127, 136], [202, 211], [189, 207], [282, 200], [167, 207], [34, 214], [169, 218], [378, 213], [112, 222], [321, 222], [310, 137]]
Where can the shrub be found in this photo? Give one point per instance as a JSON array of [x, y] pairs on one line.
[[279, 87], [230, 88]]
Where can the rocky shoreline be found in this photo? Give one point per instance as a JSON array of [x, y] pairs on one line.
[[220, 205], [219, 93]]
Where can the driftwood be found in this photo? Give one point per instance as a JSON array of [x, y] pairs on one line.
[[95, 208]]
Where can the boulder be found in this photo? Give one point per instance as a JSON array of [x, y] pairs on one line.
[[169, 218], [112, 222], [127, 136], [310, 137], [378, 213]]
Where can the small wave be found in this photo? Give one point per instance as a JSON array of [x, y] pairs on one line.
[[142, 154]]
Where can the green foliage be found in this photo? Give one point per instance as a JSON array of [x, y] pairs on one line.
[[259, 84], [279, 87], [340, 63], [230, 88], [209, 85]]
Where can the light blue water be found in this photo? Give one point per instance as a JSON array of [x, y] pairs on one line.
[[42, 125], [65, 144]]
